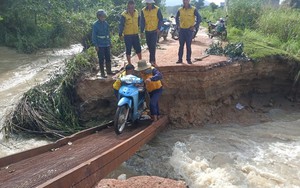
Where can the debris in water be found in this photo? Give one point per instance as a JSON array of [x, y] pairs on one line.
[[239, 106]]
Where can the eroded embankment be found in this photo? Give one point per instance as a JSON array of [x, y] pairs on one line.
[[195, 95]]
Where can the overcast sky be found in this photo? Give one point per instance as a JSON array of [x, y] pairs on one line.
[[179, 2]]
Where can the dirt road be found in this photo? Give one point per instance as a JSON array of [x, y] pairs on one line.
[[167, 51]]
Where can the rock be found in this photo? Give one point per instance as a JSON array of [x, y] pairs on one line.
[[142, 182], [122, 177]]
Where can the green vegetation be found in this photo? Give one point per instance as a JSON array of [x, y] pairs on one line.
[[257, 29], [234, 51], [257, 45], [33, 24], [264, 30], [49, 109]]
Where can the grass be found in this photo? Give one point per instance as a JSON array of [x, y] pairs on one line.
[[256, 44]]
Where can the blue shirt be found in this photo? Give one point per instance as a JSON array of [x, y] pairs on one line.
[[156, 75], [100, 34]]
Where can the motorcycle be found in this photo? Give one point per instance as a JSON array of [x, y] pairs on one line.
[[164, 30], [174, 29], [131, 102], [215, 30], [174, 32]]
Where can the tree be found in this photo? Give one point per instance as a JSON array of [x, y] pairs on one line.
[[213, 6], [198, 3], [32, 24]]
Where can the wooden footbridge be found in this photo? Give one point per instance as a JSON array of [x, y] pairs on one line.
[[80, 160]]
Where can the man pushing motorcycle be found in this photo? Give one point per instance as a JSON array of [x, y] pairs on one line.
[[152, 78]]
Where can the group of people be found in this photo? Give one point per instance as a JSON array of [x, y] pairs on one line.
[[149, 22]]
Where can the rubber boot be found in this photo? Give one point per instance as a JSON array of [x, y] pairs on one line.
[[108, 68], [102, 70]]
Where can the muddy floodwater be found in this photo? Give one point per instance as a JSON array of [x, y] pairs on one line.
[[262, 155], [19, 73]]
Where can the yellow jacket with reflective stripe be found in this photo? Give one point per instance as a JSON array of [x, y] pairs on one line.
[[118, 83], [187, 17], [131, 25], [153, 85], [151, 19]]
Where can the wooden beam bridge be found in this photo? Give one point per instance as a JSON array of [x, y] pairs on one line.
[[80, 160]]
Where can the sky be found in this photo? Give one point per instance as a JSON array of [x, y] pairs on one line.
[[179, 2]]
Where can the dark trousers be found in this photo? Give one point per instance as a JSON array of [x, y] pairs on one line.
[[185, 37], [154, 97], [132, 41], [104, 54], [151, 38]]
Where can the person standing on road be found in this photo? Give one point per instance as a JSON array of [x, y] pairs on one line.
[[102, 43], [152, 78], [129, 29], [151, 21], [185, 20]]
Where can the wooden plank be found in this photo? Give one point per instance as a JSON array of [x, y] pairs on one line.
[[87, 174], [5, 161]]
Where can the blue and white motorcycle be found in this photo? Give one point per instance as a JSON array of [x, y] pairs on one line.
[[131, 102], [164, 29]]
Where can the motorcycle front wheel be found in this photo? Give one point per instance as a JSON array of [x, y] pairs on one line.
[[121, 118]]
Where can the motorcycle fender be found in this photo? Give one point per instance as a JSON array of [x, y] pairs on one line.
[[125, 100]]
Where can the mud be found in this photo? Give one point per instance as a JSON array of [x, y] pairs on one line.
[[205, 92]]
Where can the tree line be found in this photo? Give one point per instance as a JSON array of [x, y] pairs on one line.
[[29, 25]]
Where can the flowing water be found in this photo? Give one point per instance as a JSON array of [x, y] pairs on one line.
[[20, 72], [263, 155]]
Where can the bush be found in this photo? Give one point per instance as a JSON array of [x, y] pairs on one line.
[[244, 14], [233, 31], [284, 23]]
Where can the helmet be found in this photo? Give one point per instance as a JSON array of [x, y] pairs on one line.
[[129, 67], [221, 20], [101, 12]]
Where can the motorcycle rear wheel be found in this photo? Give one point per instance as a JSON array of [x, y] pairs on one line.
[[175, 37], [121, 118], [224, 35]]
